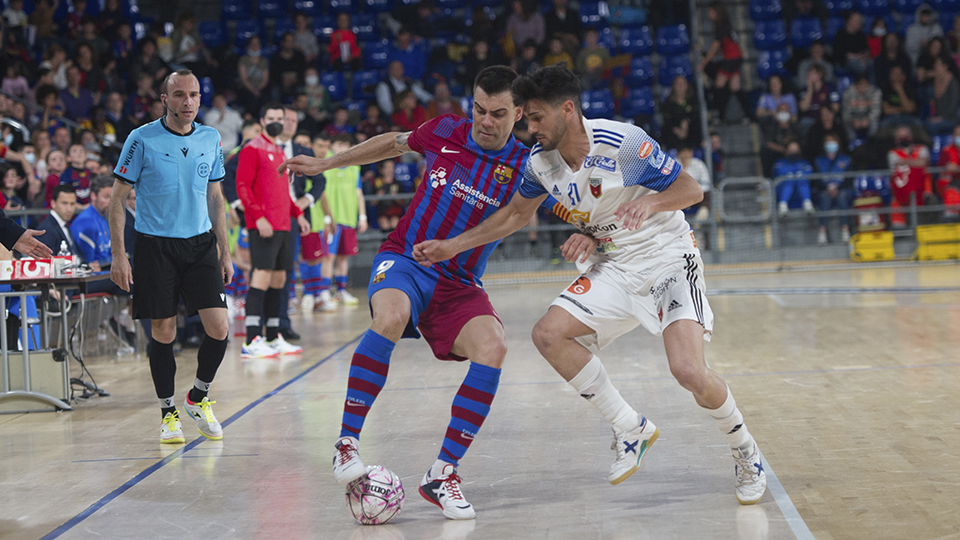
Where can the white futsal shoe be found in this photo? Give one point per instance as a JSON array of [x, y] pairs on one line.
[[631, 446], [751, 480], [171, 432], [306, 303], [207, 423], [326, 302], [347, 299], [347, 465], [444, 491], [283, 347], [258, 348]]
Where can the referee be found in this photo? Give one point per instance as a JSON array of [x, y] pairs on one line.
[[176, 166]]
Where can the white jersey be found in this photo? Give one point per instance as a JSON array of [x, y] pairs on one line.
[[624, 163]]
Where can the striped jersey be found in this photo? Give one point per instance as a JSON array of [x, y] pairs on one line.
[[462, 185], [624, 163]]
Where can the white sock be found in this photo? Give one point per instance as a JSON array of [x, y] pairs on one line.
[[730, 421], [593, 385], [437, 469]]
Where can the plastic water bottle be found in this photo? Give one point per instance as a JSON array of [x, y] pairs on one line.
[[62, 260], [64, 249]]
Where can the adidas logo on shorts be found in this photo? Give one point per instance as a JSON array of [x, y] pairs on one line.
[[673, 305]]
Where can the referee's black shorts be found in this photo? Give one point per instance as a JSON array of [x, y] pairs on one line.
[[274, 253], [165, 268]]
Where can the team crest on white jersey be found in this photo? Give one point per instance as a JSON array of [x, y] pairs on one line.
[[596, 185], [438, 177]]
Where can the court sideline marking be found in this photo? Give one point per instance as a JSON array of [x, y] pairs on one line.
[[77, 519], [789, 511]]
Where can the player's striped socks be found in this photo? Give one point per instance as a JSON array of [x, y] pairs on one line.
[[730, 421], [469, 410], [312, 281], [368, 374], [341, 282], [324, 285]]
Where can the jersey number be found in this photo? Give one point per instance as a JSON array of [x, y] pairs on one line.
[[573, 193]]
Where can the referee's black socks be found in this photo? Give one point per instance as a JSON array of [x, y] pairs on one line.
[[163, 369], [254, 307], [209, 357], [272, 301]]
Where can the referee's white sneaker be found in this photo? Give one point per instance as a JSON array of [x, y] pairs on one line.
[[202, 412], [347, 299], [283, 347], [258, 348]]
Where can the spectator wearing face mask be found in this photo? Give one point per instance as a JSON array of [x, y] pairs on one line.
[[776, 135], [836, 194], [797, 187]]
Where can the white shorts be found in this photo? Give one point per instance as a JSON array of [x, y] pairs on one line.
[[613, 302]]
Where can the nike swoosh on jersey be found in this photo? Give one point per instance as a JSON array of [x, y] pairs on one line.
[[444, 150]]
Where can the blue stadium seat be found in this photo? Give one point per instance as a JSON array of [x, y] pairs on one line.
[[636, 41], [843, 83], [466, 103], [673, 40], [141, 28], [592, 14], [452, 4], [272, 9], [345, 6], [245, 30], [939, 6], [336, 84], [835, 23], [281, 27], [378, 6], [946, 21], [365, 27], [641, 72], [365, 84], [939, 143], [311, 8], [905, 21], [673, 66], [637, 101], [906, 6], [769, 35], [606, 38], [130, 9], [873, 7], [212, 33], [376, 55], [772, 63], [235, 10], [837, 7], [206, 91], [804, 31], [764, 10], [323, 27], [355, 106], [597, 104], [405, 174]]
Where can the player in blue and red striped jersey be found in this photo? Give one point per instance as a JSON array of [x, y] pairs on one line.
[[473, 169]]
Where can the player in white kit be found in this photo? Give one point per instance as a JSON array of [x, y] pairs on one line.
[[639, 261]]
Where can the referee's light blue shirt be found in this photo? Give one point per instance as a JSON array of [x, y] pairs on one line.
[[171, 173]]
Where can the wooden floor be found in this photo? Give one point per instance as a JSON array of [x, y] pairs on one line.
[[848, 379]]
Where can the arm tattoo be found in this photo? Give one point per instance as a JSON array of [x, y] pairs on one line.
[[401, 142]]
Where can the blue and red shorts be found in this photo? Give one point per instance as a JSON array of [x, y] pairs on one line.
[[344, 242], [439, 307]]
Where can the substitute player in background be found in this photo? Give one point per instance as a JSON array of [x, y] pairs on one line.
[[627, 194], [472, 170], [181, 248]]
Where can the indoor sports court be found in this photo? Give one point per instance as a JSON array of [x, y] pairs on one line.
[[847, 378]]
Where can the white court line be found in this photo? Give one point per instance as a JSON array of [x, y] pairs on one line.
[[789, 511]]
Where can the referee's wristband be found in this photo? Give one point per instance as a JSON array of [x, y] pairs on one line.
[[327, 220]]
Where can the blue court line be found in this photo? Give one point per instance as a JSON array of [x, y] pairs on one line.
[[832, 290], [153, 457], [77, 519]]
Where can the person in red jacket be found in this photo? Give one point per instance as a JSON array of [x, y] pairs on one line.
[[909, 163], [343, 48], [268, 207]]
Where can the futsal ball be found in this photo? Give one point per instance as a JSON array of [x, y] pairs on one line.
[[376, 498]]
